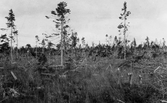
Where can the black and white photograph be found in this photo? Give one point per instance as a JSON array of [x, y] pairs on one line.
[[83, 51]]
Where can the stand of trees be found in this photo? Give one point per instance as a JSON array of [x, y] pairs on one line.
[[69, 42]]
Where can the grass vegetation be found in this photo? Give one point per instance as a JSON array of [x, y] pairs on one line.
[[118, 72], [84, 80]]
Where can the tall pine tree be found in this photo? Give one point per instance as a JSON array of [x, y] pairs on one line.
[[59, 16], [12, 27], [123, 26]]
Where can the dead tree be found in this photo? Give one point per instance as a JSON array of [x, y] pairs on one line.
[[130, 78]]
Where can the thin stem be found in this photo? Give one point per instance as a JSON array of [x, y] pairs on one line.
[[124, 38], [17, 45], [11, 49], [62, 42]]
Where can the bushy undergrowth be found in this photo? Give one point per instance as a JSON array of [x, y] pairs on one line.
[[85, 82]]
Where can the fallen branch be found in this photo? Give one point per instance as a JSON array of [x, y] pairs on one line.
[[14, 76]]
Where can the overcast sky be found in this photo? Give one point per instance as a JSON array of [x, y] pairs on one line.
[[92, 19]]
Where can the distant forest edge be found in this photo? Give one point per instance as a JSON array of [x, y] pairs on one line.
[[69, 40]]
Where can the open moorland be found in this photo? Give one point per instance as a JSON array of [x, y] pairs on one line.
[[88, 76], [71, 71]]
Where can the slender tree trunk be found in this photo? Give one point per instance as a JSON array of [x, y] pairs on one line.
[[62, 43], [11, 49], [17, 46], [124, 38]]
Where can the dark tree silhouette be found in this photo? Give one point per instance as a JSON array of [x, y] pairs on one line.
[[4, 46]]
